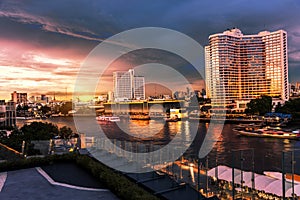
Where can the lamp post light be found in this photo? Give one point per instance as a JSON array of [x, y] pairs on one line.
[[242, 159], [293, 162], [198, 185], [233, 166], [206, 174], [283, 174], [293, 171], [253, 175], [242, 180], [217, 171]]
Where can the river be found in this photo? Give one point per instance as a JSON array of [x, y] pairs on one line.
[[267, 151]]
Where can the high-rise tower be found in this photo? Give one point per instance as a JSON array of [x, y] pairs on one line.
[[127, 85], [245, 67]]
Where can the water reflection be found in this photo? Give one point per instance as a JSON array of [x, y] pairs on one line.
[[268, 151]]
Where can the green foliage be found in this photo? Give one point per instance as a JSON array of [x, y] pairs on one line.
[[3, 134], [22, 108], [65, 132], [34, 131], [259, 106], [39, 131], [66, 107], [292, 107], [14, 140], [116, 182], [6, 154], [9, 128], [35, 162], [45, 109]]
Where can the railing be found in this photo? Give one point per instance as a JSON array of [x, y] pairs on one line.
[[188, 170]]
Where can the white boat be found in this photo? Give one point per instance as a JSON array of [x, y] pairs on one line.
[[173, 119], [108, 118], [294, 135], [24, 118], [140, 117]]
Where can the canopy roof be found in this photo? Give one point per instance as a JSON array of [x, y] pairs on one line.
[[272, 185]]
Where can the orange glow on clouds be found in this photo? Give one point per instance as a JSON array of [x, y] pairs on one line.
[[25, 68]]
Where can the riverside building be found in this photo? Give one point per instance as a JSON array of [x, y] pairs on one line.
[[245, 67], [128, 86], [7, 113]]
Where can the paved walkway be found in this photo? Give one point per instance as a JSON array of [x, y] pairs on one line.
[[36, 184], [166, 187], [3, 177]]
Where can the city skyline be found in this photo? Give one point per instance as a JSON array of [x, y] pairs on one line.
[[41, 51]]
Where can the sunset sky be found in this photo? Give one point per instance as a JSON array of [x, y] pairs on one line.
[[43, 43]]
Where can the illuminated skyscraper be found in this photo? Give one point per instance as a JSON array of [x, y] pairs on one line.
[[247, 66], [123, 84], [127, 85]]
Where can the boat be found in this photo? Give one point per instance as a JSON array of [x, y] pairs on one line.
[[139, 117], [108, 118], [269, 133], [24, 118], [156, 115], [173, 119], [252, 126]]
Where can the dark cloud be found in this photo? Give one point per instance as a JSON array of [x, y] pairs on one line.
[[76, 27], [144, 56]]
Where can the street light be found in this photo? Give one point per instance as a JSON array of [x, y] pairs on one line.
[[241, 168], [293, 162]]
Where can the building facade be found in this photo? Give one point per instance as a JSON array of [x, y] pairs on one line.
[[244, 67], [139, 87], [128, 86], [19, 98], [7, 113]]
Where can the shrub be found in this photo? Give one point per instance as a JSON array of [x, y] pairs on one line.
[[116, 182]]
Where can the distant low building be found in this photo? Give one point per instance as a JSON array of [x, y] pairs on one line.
[[295, 89], [19, 98]]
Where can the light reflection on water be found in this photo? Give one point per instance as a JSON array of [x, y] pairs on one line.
[[268, 151]]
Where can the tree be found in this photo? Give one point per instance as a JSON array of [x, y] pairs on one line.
[[33, 131], [66, 107], [3, 134], [259, 106], [291, 107], [45, 109], [22, 110], [65, 132], [39, 131]]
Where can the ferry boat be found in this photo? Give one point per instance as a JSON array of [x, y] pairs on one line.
[[108, 118], [24, 118], [270, 133], [140, 117]]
